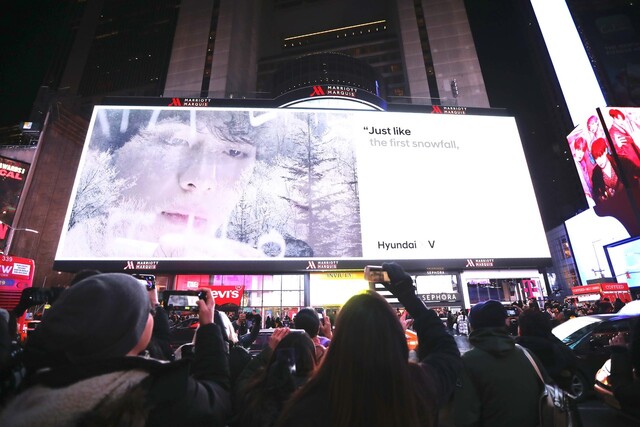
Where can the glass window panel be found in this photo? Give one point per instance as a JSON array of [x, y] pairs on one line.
[[292, 298], [253, 299], [292, 282], [271, 298], [271, 283]]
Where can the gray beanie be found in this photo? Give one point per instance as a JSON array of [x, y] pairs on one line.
[[99, 317]]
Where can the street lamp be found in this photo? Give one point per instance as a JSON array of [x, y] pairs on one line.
[[12, 231], [595, 252]]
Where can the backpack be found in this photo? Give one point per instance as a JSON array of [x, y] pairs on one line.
[[556, 407]]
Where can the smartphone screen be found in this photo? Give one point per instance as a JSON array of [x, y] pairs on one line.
[[183, 300], [287, 356]]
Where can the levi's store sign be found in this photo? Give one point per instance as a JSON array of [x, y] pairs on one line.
[[227, 294], [224, 294]]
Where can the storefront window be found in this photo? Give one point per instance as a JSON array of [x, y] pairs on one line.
[[484, 290], [271, 298], [271, 283], [292, 283], [505, 290], [275, 296], [334, 289], [292, 299]]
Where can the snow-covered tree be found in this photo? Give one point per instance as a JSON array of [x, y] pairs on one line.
[[98, 188]]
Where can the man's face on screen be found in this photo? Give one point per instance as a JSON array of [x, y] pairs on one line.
[[578, 154], [187, 178], [602, 161]]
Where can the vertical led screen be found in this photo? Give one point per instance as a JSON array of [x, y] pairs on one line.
[[607, 158], [12, 177], [611, 30], [191, 189]]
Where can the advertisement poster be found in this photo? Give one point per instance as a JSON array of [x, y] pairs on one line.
[[13, 175], [610, 171], [254, 190]]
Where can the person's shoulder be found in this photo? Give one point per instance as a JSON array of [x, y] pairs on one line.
[[311, 410]]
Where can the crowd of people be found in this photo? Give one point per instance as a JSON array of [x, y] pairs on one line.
[[101, 357]]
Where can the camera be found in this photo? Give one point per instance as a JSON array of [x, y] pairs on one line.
[[511, 312], [183, 300], [148, 280], [320, 312], [37, 296], [375, 273]]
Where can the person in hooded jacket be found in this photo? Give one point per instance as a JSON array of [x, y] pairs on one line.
[[498, 386]]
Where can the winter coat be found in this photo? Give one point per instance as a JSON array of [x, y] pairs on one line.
[[498, 387], [435, 375], [279, 388], [130, 391], [558, 360]]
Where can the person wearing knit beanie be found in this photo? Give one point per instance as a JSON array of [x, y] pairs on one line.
[[493, 368], [84, 364], [102, 316], [487, 314]]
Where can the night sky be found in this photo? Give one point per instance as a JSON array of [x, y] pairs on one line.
[[29, 35]]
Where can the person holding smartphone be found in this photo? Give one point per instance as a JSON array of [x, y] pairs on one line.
[[366, 378], [270, 378]]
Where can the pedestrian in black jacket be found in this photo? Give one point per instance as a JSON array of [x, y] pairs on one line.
[[534, 333], [85, 369]]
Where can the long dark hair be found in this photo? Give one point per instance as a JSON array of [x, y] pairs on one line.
[[266, 393], [365, 373]]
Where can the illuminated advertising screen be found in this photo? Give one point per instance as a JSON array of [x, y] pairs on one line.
[[610, 30], [589, 234], [16, 273], [624, 260], [12, 177], [256, 190], [607, 157]]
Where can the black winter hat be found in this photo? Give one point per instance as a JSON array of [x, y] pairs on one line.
[[487, 314], [99, 317], [307, 319]]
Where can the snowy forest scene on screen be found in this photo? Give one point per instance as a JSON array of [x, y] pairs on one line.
[[219, 184]]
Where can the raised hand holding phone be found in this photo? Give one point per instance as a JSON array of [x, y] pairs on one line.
[[401, 286], [206, 306]]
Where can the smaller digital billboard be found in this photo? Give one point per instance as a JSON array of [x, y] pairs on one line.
[[624, 260], [13, 175], [589, 234], [258, 190]]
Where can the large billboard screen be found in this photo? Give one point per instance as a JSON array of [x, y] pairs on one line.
[[188, 189]]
